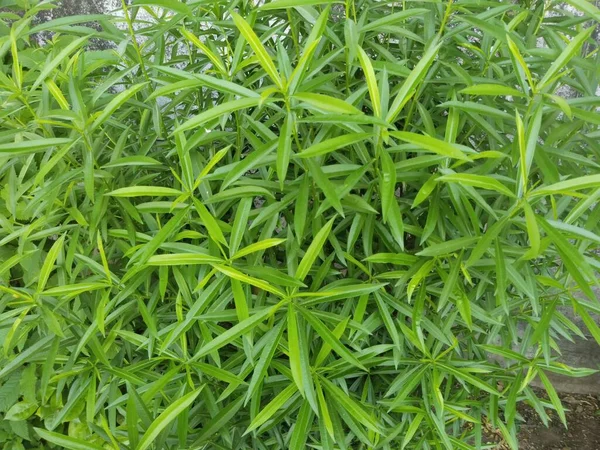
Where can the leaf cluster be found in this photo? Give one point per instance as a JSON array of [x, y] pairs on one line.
[[303, 224]]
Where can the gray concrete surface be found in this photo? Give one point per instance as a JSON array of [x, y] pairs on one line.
[[579, 353]]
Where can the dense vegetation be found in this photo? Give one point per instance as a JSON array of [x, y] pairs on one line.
[[300, 225]]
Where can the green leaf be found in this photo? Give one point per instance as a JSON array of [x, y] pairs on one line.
[[20, 411], [284, 149], [310, 46], [367, 67], [420, 275], [566, 55], [217, 112], [274, 405], [462, 374], [485, 242], [402, 259], [73, 289], [527, 145], [166, 417], [220, 420], [393, 18], [302, 427], [313, 251], [326, 103], [257, 246], [48, 265], [504, 352], [237, 275], [519, 62], [464, 308], [239, 192], [416, 76], [272, 338], [350, 405], [240, 224], [27, 147], [282, 4], [425, 191], [568, 186], [337, 332], [65, 441], [553, 397], [116, 103], [191, 81], [445, 248], [234, 332], [325, 185], [587, 319], [210, 223], [542, 326], [219, 374], [180, 259], [260, 51], [491, 89], [144, 191], [254, 159], [129, 161], [523, 168], [478, 108], [586, 7], [329, 338], [345, 119], [294, 351], [480, 181], [301, 210], [412, 429], [430, 144], [388, 185], [159, 238], [54, 63], [173, 5], [575, 263], [533, 232], [333, 144], [215, 59]]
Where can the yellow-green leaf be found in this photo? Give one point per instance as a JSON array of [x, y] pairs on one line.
[[258, 48]]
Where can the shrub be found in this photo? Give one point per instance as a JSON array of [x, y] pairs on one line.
[[300, 225]]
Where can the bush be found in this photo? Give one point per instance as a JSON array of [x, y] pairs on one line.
[[298, 225]]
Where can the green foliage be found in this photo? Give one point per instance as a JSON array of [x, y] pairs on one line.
[[307, 224]]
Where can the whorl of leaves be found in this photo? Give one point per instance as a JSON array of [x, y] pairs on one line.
[[299, 225]]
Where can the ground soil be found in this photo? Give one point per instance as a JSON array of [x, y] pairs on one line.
[[583, 432]]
